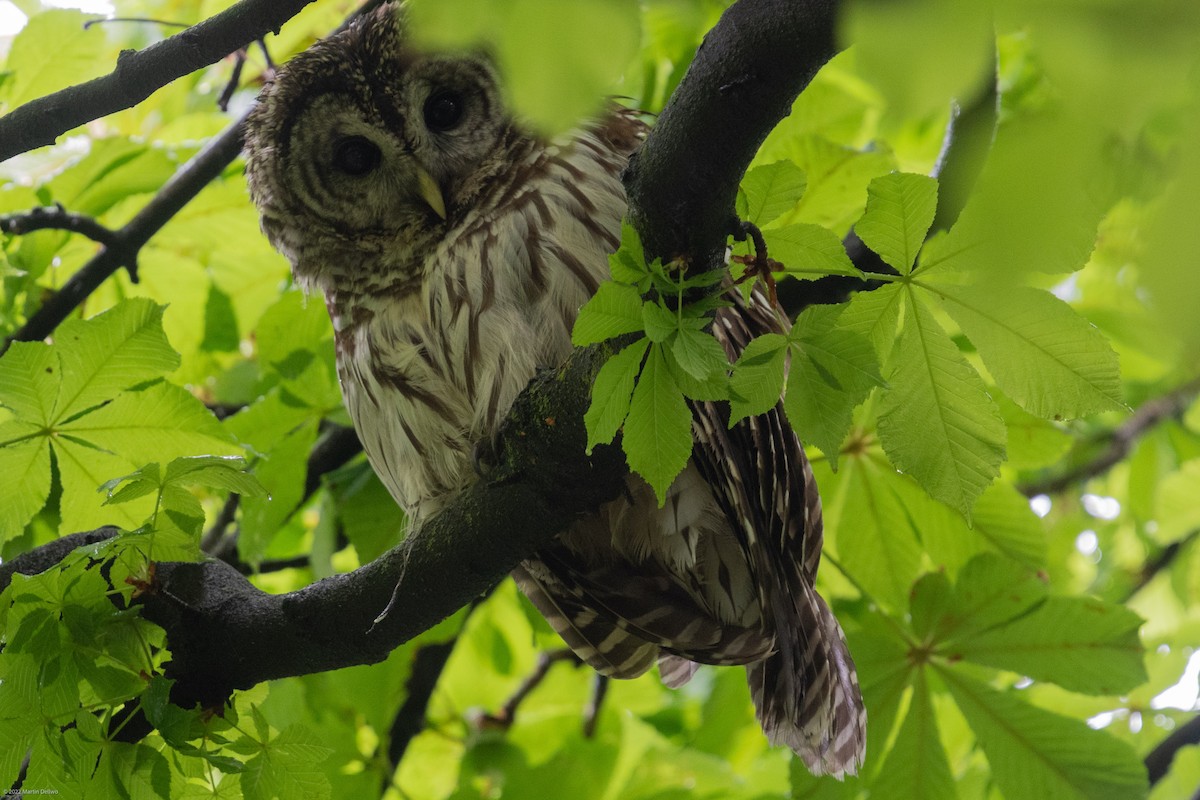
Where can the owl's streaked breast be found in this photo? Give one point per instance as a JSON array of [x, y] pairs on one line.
[[429, 373]]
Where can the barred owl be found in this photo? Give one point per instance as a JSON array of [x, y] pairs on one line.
[[454, 249]]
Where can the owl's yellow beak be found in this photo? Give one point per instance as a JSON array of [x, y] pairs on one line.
[[430, 192]]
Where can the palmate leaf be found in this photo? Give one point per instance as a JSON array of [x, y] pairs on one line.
[[158, 423], [937, 422], [1035, 753], [875, 316], [900, 209], [998, 614], [286, 766], [698, 353], [991, 590], [1039, 350], [757, 381], [69, 396], [1003, 518]]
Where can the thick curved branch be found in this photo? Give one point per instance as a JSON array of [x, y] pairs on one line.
[[138, 74], [225, 634], [747, 73]]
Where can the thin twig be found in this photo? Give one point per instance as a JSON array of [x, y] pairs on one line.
[[140, 20], [507, 714], [212, 537], [184, 185], [591, 714], [1159, 562], [138, 74], [1120, 441], [56, 218]]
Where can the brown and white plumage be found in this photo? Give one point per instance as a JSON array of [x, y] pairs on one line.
[[454, 250]]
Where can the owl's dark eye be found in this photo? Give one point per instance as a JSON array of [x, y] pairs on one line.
[[356, 156], [443, 110]]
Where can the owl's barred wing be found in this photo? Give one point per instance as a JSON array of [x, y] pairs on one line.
[[655, 609], [601, 644], [806, 693]]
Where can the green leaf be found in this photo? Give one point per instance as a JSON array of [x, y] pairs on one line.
[[991, 590], [160, 422], [82, 470], [52, 52], [757, 382], [837, 179], [1082, 644], [874, 535], [615, 309], [1002, 516], [1052, 361], [658, 432], [699, 354], [217, 472], [628, 264], [658, 321], [556, 66], [286, 767], [30, 377], [611, 393], [1035, 206], [916, 764], [769, 190], [25, 487], [366, 511], [1178, 512], [1035, 753], [112, 351], [875, 316], [832, 371], [937, 422], [805, 249], [137, 771], [900, 209], [282, 471]]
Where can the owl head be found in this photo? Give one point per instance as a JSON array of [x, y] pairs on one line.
[[362, 147]]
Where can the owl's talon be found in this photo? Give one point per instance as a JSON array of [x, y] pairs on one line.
[[483, 456]]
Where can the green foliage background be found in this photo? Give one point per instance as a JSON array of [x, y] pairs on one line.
[[986, 636]]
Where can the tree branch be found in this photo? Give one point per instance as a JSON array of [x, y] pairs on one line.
[[1120, 441], [138, 74], [56, 218], [682, 185], [123, 248], [1158, 761]]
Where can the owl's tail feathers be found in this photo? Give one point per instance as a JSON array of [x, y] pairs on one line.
[[603, 646], [806, 694]]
